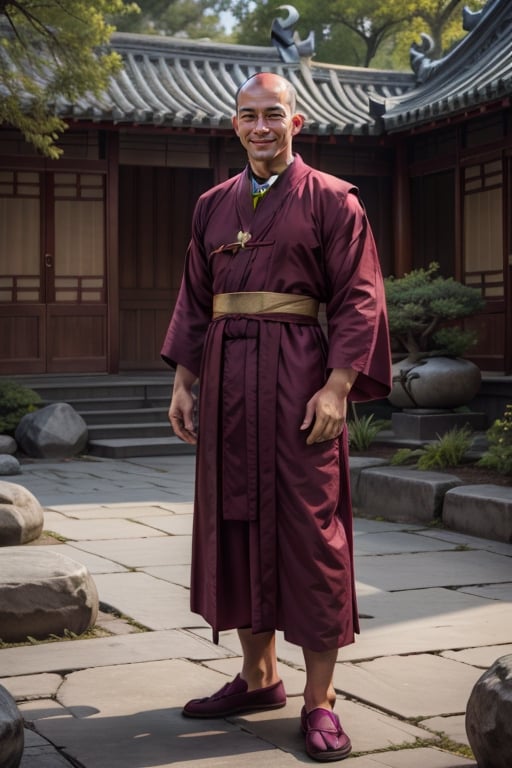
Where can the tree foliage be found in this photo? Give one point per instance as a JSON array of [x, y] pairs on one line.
[[50, 51], [359, 32], [187, 18]]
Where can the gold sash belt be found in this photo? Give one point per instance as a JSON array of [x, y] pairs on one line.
[[263, 302]]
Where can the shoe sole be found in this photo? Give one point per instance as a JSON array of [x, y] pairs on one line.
[[234, 711], [330, 756]]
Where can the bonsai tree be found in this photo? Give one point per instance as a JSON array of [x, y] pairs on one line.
[[421, 304]]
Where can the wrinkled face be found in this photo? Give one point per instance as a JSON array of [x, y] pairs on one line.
[[265, 122]]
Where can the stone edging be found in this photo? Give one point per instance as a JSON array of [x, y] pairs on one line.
[[409, 495]]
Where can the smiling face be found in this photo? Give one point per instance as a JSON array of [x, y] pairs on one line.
[[266, 123]]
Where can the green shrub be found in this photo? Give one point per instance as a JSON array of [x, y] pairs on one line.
[[447, 451], [15, 401], [422, 307], [362, 430], [499, 454]]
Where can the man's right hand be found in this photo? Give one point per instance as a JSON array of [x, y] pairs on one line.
[[181, 409]]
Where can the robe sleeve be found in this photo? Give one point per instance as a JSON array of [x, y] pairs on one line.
[[357, 324], [183, 343]]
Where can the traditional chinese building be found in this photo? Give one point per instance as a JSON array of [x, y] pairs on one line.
[[92, 245]]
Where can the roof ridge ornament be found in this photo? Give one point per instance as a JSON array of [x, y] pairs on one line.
[[470, 18], [421, 64], [287, 41]]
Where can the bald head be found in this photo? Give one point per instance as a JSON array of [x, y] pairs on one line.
[[269, 81]]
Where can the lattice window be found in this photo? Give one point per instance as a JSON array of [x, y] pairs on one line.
[[20, 236], [79, 237], [483, 228]]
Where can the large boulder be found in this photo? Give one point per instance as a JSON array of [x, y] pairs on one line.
[[11, 731], [44, 593], [56, 431], [21, 515], [489, 716]]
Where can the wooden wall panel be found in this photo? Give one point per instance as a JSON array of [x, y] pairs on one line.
[[22, 339], [76, 337], [156, 206]]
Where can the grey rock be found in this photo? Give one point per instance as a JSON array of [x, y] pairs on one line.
[[489, 716], [8, 444], [9, 465], [56, 431], [43, 592], [11, 731], [21, 515]]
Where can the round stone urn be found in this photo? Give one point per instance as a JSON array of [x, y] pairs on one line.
[[434, 382]]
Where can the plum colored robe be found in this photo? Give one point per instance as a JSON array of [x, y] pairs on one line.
[[272, 538]]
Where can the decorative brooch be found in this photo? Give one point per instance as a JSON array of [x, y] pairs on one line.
[[243, 238], [241, 241]]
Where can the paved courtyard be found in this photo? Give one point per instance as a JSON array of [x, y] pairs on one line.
[[435, 607]]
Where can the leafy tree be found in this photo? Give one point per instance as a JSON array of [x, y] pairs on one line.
[[52, 50], [190, 18], [360, 32]]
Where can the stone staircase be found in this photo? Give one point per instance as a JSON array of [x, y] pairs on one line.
[[126, 415]]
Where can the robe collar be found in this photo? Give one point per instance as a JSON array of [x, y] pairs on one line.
[[258, 221]]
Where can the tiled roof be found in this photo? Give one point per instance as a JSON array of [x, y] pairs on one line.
[[477, 71], [188, 83]]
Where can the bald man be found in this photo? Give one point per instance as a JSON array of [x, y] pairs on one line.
[[272, 540]]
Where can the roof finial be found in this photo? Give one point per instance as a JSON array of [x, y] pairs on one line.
[[288, 43]]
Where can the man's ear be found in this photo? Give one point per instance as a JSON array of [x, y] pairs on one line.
[[234, 123], [297, 122]]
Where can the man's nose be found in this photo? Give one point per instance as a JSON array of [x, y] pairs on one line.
[[261, 123]]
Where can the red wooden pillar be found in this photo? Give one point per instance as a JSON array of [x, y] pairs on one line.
[[112, 250], [402, 213]]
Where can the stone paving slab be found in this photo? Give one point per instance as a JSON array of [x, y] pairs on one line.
[[453, 726], [448, 605], [123, 693], [103, 529], [105, 651], [492, 591], [93, 563], [176, 574], [152, 602], [115, 720], [471, 542], [368, 729], [174, 525], [397, 542], [369, 525], [419, 758], [485, 625], [137, 553], [403, 685], [26, 687], [480, 657], [433, 569]]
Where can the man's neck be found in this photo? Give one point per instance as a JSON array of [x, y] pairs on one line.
[[263, 171]]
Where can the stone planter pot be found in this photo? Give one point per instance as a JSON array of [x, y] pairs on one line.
[[434, 382]]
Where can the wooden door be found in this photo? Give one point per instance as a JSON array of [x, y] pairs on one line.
[[52, 272]]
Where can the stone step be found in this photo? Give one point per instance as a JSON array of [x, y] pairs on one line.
[[68, 388], [129, 430], [86, 404], [463, 511], [122, 448], [126, 417]]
